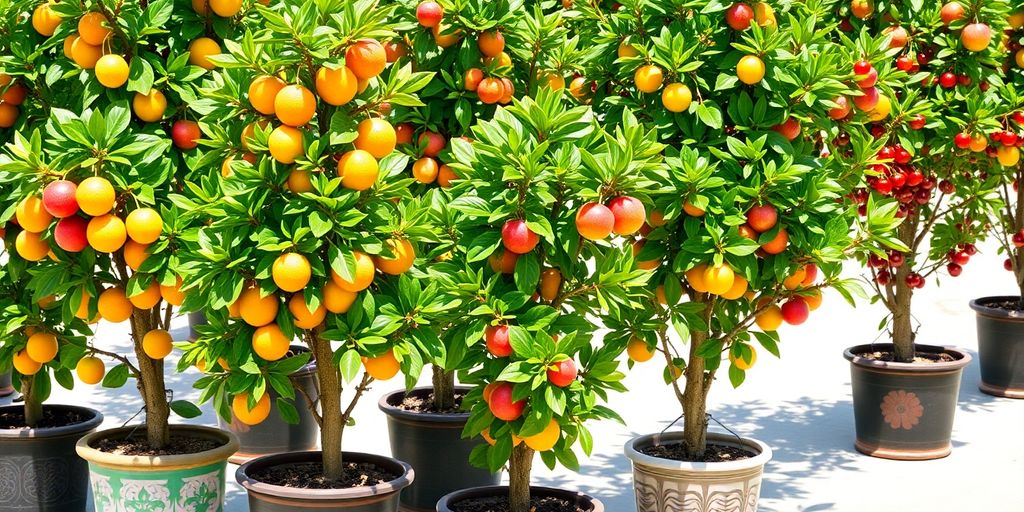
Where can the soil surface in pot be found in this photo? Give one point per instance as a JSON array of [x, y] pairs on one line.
[[500, 504], [310, 475], [1006, 305], [425, 404], [920, 357], [136, 446], [713, 453], [15, 420]]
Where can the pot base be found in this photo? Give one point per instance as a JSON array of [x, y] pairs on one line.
[[989, 389], [587, 503], [903, 454]]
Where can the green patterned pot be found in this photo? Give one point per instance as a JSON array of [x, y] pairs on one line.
[[193, 482]]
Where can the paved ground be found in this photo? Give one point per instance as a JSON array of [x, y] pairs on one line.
[[800, 405]]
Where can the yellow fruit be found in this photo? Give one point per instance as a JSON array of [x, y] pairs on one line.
[[626, 50], [718, 279], [270, 343], [106, 233], [639, 351], [738, 290], [135, 254], [376, 136], [364, 274], [695, 276], [770, 319], [42, 347], [157, 344], [172, 294], [149, 107], [85, 54], [692, 210], [299, 181], [291, 272], [750, 69], [302, 316], [676, 97], [764, 15], [881, 110], [285, 144], [95, 196], [149, 297], [405, 255], [90, 370], [295, 105], [82, 312], [336, 299], [112, 71], [336, 86], [114, 305], [795, 279], [1019, 58], [200, 50], [256, 415], [382, 367], [648, 78], [740, 363], [358, 170], [978, 142], [24, 364], [93, 28], [263, 91], [144, 225], [32, 216], [546, 439], [44, 20], [813, 300], [255, 310], [225, 8], [1008, 156], [69, 42]]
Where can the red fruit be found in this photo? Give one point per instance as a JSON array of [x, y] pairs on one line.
[[497, 341], [868, 100], [790, 128], [870, 80], [951, 12], [861, 67], [903, 156], [739, 16], [959, 257], [517, 237], [762, 218], [1018, 117], [435, 143], [905, 63], [429, 13], [947, 80], [185, 134], [946, 187], [917, 122], [1007, 264], [810, 274], [954, 269], [962, 140], [842, 110], [883, 278], [876, 261], [963, 80], [922, 196], [1009, 139], [595, 221], [501, 404], [563, 373], [795, 311], [629, 214], [898, 179], [403, 133], [886, 153], [971, 249], [59, 198], [896, 259], [914, 177], [1018, 239], [883, 185], [70, 234]]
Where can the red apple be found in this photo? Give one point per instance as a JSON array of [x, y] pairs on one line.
[[429, 13], [795, 311], [497, 341], [501, 404], [790, 128], [629, 213], [435, 143], [762, 218], [951, 12], [739, 16], [59, 198], [518, 237], [185, 134], [842, 110], [70, 234], [563, 373], [869, 80]]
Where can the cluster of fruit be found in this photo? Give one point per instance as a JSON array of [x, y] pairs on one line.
[[428, 168], [871, 100], [13, 96], [500, 401]]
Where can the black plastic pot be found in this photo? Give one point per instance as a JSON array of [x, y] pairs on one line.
[[39, 469], [1000, 347], [433, 444], [194, 320], [904, 411], [5, 384], [273, 498], [587, 503], [274, 435]]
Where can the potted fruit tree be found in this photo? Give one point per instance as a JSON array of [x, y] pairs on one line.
[[93, 164], [935, 162], [307, 222]]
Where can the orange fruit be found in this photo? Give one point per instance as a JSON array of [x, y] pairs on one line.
[[112, 71], [42, 347], [255, 310], [172, 294], [795, 279], [813, 300], [695, 276], [546, 439], [69, 41], [15, 94], [750, 69], [336, 86], [256, 415], [95, 196], [365, 271], [157, 344], [90, 370], [149, 297], [1008, 156], [299, 181], [358, 170], [295, 105], [491, 43], [270, 343], [550, 283], [676, 97], [32, 215], [24, 364], [44, 20], [149, 107], [366, 58], [638, 350], [738, 289], [648, 78], [509, 90], [200, 50], [106, 233], [336, 299], [445, 37], [85, 54], [552, 80], [882, 109], [302, 316], [770, 319], [93, 28], [225, 8], [425, 170], [740, 363], [263, 91], [82, 312], [626, 50], [490, 90], [445, 175], [501, 60], [144, 225], [114, 305], [692, 210], [285, 144], [777, 244], [291, 272], [376, 136], [249, 132], [8, 115], [405, 255], [471, 78], [135, 254], [382, 367]]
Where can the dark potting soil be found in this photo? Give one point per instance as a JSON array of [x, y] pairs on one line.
[[15, 420], [425, 404], [713, 453], [500, 504], [310, 475], [179, 445], [920, 357], [1006, 305]]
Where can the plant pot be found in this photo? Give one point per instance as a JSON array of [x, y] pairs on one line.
[[587, 503], [39, 470], [195, 320], [274, 498], [274, 435], [1000, 347], [5, 384], [432, 444], [664, 485], [904, 411], [168, 482]]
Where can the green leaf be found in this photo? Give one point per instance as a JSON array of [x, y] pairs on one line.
[[116, 377], [185, 409]]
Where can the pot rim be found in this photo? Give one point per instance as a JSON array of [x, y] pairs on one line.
[[49, 432], [157, 462], [979, 307], [447, 499], [963, 358], [762, 458], [394, 411], [255, 486]]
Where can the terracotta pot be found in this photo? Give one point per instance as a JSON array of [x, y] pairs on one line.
[[587, 503], [432, 444], [664, 485], [167, 482], [905, 411], [1000, 348], [274, 498], [39, 469], [274, 435], [5, 384]]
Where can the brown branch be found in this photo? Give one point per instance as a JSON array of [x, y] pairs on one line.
[[363, 386], [118, 357], [310, 403]]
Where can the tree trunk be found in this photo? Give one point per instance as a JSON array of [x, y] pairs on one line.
[[332, 426], [33, 406], [695, 422], [151, 384], [519, 478], [902, 322], [1018, 220], [444, 388]]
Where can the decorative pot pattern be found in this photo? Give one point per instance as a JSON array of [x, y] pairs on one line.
[[1000, 348]]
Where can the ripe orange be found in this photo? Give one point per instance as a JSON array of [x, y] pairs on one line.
[[638, 350], [95, 196], [336, 299], [69, 41], [32, 215], [770, 319], [148, 298], [552, 80], [262, 92], [358, 170], [249, 132], [149, 107], [676, 97], [364, 274], [509, 91], [750, 69], [425, 170], [295, 105], [382, 367], [93, 28], [718, 279], [976, 36], [302, 316], [85, 54], [226, 8], [144, 225], [366, 58], [44, 20], [813, 300], [42, 347], [172, 293], [1008, 156], [285, 144], [299, 181], [112, 71], [135, 254], [445, 175], [376, 136], [24, 364], [200, 50], [15, 94], [106, 233], [490, 90], [114, 305], [270, 343], [502, 60], [256, 415], [90, 370], [626, 50], [8, 115], [255, 310], [471, 78], [738, 290], [157, 344], [692, 210], [336, 86], [550, 283], [444, 36], [648, 78], [291, 272], [777, 244], [546, 439], [82, 312], [405, 255], [491, 43], [740, 363], [695, 276]]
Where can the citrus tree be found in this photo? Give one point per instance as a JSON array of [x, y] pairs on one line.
[[101, 140], [308, 222]]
